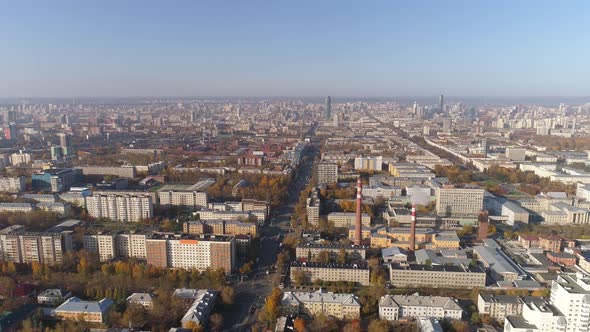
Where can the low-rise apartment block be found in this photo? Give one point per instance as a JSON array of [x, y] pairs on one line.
[[311, 250], [358, 273], [394, 307], [87, 311], [437, 276], [342, 306], [347, 219], [230, 227], [500, 306]]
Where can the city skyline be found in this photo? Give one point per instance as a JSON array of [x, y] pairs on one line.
[[306, 49]]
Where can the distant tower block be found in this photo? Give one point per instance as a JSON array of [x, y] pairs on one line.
[[483, 224], [328, 108], [358, 227]]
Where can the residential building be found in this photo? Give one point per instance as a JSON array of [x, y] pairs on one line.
[[230, 227], [437, 276], [358, 273], [200, 252], [394, 307], [199, 311], [145, 300], [342, 306], [327, 172], [186, 196], [458, 201], [571, 296], [313, 207], [53, 297], [20, 158], [16, 207], [15, 184], [368, 163], [40, 247], [498, 307], [538, 317], [102, 243], [87, 311], [121, 171], [120, 206], [347, 219], [311, 250]]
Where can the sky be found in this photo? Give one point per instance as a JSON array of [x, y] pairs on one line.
[[294, 48]]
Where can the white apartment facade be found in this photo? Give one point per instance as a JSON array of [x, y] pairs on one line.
[[125, 207]]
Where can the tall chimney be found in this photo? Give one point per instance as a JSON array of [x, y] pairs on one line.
[[413, 229], [358, 227]]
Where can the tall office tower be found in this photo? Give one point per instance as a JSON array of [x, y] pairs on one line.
[[238, 114], [328, 108], [335, 120], [441, 102], [10, 131], [358, 225], [415, 108]]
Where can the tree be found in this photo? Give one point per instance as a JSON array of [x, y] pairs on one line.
[[379, 326], [272, 307], [353, 326], [228, 295], [342, 256], [323, 257], [299, 324], [475, 318], [194, 327], [246, 268], [216, 321], [299, 277]]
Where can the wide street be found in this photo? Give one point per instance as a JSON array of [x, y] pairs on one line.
[[250, 293]]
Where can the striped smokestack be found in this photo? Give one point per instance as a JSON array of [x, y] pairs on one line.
[[413, 228], [358, 226]]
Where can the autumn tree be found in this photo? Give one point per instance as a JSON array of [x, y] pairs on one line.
[[299, 324], [216, 321], [377, 325]]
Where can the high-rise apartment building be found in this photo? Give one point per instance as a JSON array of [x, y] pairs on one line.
[[327, 172], [187, 196], [13, 184], [126, 207], [368, 163], [28, 247]]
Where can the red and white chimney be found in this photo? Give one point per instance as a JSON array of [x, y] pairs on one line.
[[358, 227], [413, 228]]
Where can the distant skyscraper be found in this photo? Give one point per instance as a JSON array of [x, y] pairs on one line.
[[238, 112], [415, 108], [194, 116], [442, 103], [328, 108], [65, 143], [335, 120]]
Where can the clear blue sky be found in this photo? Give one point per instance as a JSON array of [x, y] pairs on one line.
[[294, 48]]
